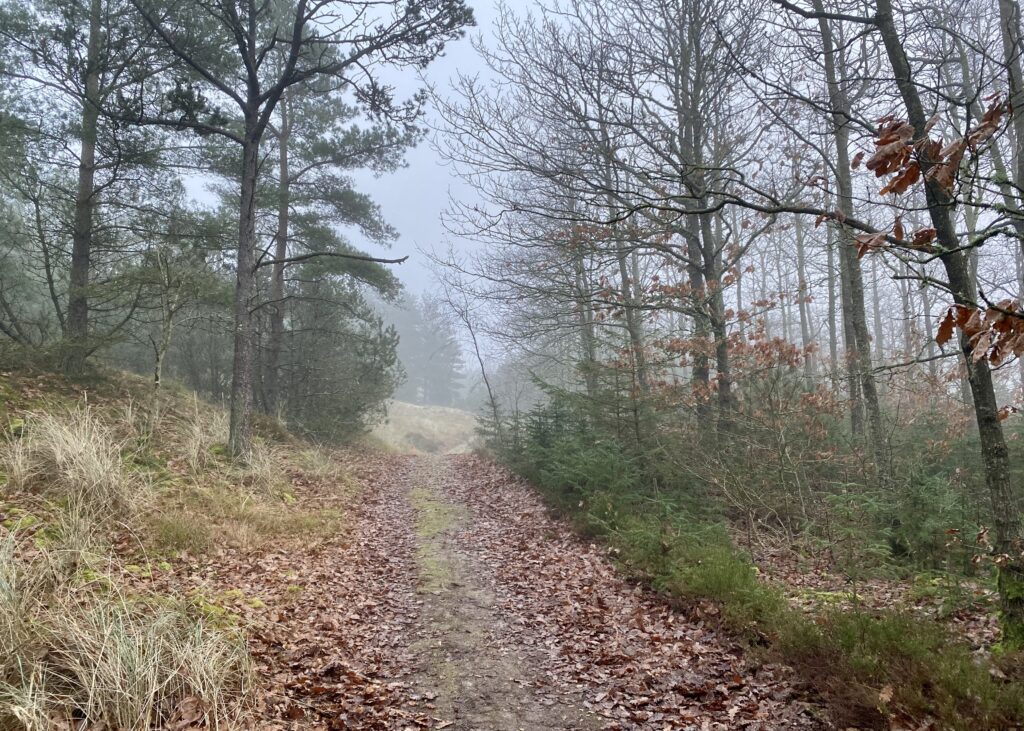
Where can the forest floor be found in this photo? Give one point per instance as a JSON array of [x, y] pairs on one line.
[[451, 600], [967, 609], [377, 590]]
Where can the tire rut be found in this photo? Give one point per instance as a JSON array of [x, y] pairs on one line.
[[477, 679]]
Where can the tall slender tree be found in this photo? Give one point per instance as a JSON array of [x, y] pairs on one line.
[[227, 68]]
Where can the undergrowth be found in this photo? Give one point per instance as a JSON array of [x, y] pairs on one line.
[[74, 648], [74, 457], [86, 468], [875, 667]]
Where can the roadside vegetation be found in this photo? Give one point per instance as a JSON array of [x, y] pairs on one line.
[[881, 598], [109, 500]]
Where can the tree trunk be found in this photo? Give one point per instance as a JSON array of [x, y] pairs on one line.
[[907, 306], [77, 322], [638, 390], [990, 431], [806, 339], [850, 353], [243, 366], [712, 258], [876, 309], [272, 375], [585, 317], [1009, 26], [1018, 260], [833, 339], [700, 374], [861, 355], [783, 290], [160, 347], [929, 334]]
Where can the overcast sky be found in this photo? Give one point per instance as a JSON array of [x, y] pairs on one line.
[[414, 198]]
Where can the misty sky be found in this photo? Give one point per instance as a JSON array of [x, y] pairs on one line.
[[414, 198]]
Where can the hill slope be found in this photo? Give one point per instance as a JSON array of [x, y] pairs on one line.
[[417, 429]]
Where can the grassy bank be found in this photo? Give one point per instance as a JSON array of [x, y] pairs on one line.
[[108, 497], [874, 668]]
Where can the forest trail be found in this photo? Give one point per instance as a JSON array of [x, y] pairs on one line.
[[485, 614]]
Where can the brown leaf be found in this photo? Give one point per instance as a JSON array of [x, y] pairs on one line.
[[907, 177], [923, 238], [944, 175], [974, 323], [869, 242], [188, 713], [980, 345], [888, 158], [945, 328]]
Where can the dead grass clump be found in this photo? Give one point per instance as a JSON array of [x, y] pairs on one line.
[[217, 514], [319, 464], [76, 653], [263, 472], [73, 456], [202, 433], [178, 530]]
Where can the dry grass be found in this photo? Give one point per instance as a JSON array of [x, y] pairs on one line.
[[263, 473], [76, 651], [72, 647], [200, 434], [319, 464], [74, 457], [426, 429], [209, 515]]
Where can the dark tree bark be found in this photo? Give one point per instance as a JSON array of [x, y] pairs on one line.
[[244, 363], [962, 286], [854, 318], [272, 384], [77, 317]]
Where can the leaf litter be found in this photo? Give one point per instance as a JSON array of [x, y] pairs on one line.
[[542, 631]]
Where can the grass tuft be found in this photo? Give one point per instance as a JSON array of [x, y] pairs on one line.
[[73, 650], [76, 458]]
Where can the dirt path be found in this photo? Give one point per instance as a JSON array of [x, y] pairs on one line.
[[523, 626], [481, 680], [452, 601]]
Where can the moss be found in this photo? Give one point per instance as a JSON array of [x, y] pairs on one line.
[[1011, 595], [829, 598], [46, 537], [90, 577], [434, 516], [209, 609], [19, 519], [147, 462], [435, 571]]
